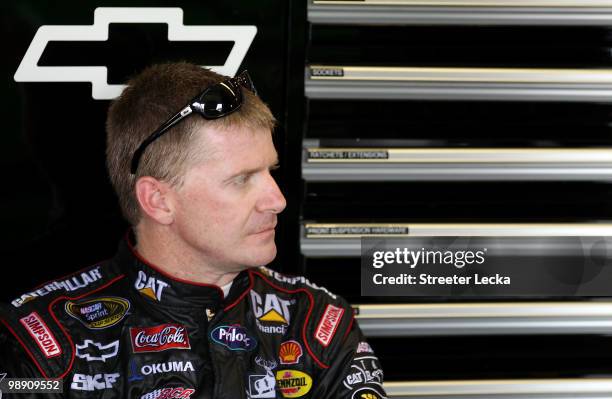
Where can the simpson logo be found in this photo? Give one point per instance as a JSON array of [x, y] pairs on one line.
[[159, 338], [150, 286], [290, 352], [43, 336], [168, 393], [329, 323], [293, 383], [99, 313], [95, 351], [30, 71], [69, 284], [272, 313], [235, 338]]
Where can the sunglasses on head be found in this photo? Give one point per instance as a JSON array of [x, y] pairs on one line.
[[216, 101]]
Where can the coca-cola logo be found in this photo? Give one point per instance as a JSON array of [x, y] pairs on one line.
[[159, 338]]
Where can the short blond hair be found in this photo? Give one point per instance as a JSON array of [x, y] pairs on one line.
[[150, 98]]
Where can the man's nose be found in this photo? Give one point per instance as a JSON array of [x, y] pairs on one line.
[[273, 199]]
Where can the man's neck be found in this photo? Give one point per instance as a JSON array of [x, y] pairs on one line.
[[179, 260]]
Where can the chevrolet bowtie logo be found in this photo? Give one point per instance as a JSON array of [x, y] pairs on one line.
[[30, 71]]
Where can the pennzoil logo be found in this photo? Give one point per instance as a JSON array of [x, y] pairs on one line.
[[99, 313], [271, 312], [293, 383], [290, 352], [150, 286]]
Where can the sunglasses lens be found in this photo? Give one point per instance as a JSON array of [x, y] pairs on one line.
[[220, 100]]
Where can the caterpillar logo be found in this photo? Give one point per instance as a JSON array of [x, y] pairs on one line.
[[150, 286], [272, 313], [30, 71]]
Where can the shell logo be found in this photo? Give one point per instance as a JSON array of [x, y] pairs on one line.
[[293, 383], [290, 352]]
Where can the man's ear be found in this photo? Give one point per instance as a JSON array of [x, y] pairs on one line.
[[152, 195]]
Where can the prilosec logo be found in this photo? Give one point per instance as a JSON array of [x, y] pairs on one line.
[[99, 313], [30, 71], [235, 338], [271, 312]]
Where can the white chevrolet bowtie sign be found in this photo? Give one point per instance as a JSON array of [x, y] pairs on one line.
[[29, 71]]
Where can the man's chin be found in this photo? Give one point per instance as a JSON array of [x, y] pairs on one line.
[[261, 257]]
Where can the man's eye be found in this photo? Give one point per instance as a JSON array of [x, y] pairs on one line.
[[242, 179]]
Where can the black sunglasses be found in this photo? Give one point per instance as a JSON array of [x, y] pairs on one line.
[[214, 102]]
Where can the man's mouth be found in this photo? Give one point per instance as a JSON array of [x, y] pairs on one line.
[[266, 229]]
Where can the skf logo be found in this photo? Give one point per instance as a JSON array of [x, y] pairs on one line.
[[150, 286], [30, 71], [82, 382], [329, 323], [95, 351], [272, 310], [42, 335]]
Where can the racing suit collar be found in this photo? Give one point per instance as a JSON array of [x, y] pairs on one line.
[[158, 287]]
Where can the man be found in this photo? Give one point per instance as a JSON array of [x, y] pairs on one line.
[[185, 309]]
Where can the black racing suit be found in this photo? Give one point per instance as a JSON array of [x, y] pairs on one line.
[[125, 329]]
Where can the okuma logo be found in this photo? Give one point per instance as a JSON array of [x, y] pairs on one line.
[[271, 312], [30, 71]]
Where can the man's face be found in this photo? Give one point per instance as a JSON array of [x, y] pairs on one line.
[[226, 209]]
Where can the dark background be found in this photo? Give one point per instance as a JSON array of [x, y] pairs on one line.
[[59, 210]]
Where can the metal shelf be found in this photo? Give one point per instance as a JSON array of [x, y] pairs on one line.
[[586, 388], [344, 239], [502, 84], [458, 319], [462, 12], [455, 164]]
